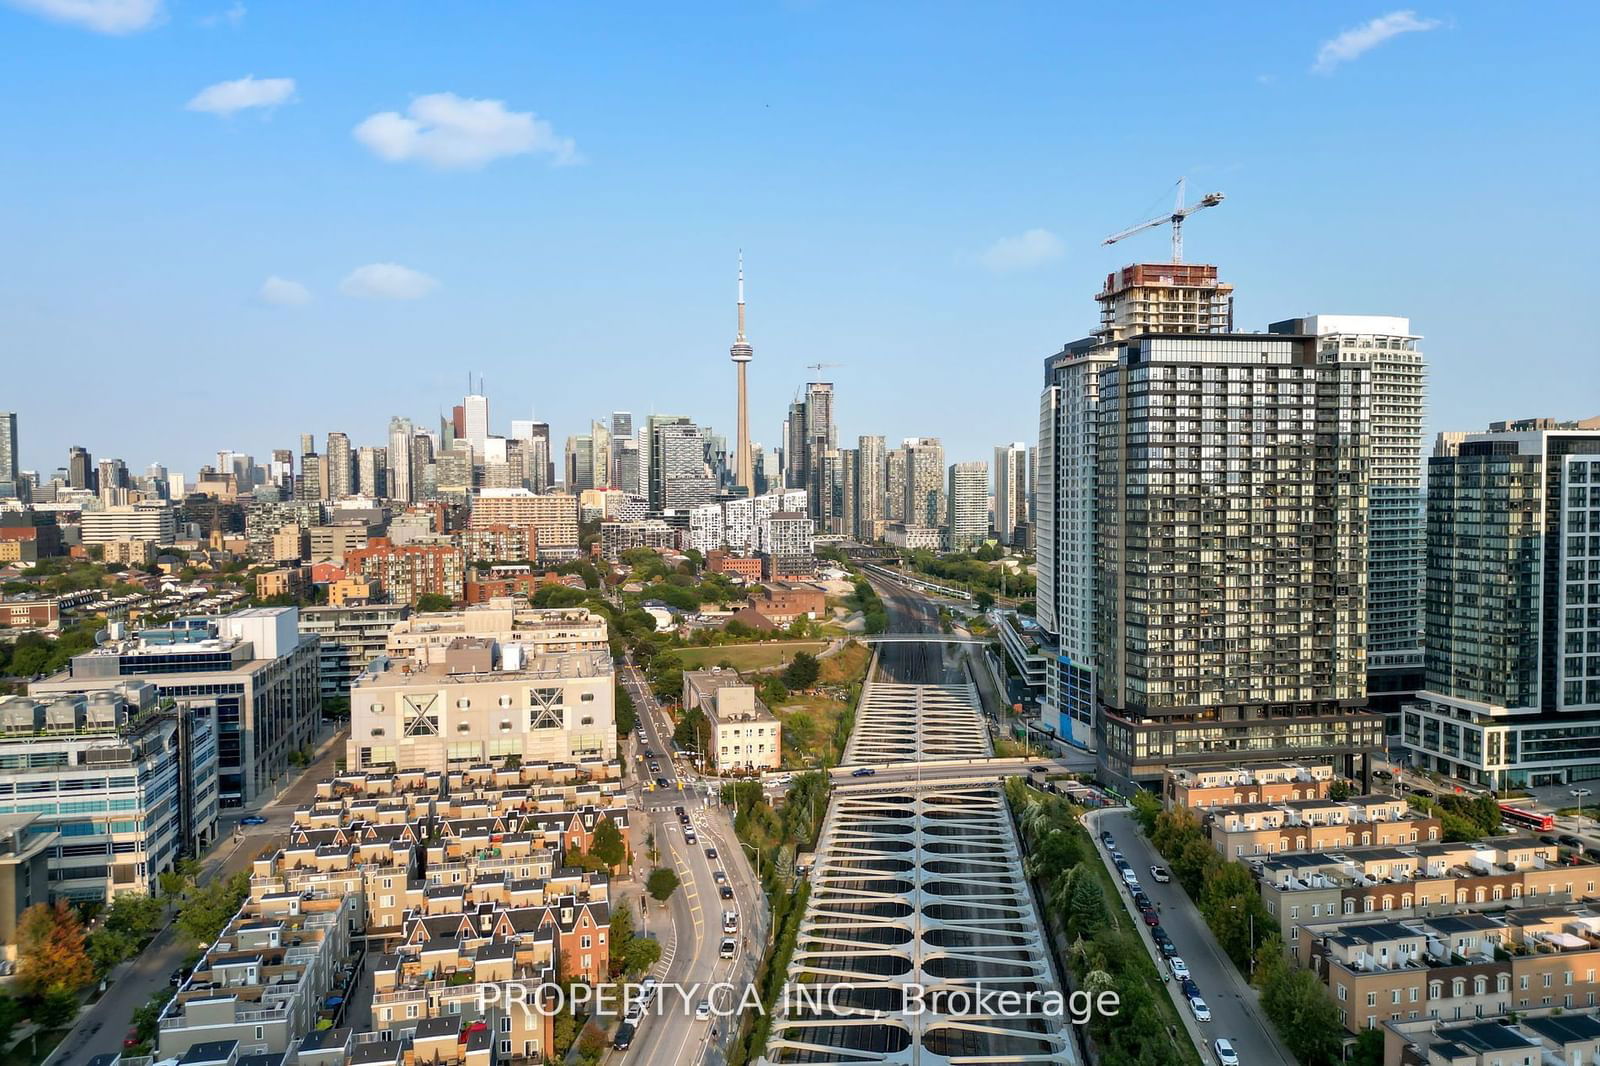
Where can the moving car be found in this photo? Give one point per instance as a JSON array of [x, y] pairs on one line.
[[719, 875], [702, 1011], [661, 782], [1038, 769], [1226, 1056], [726, 949], [726, 891], [1160, 875], [689, 836], [1179, 968], [863, 771], [1198, 1008], [1570, 841], [252, 819], [711, 853]]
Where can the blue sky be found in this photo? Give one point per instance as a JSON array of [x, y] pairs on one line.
[[1437, 162]]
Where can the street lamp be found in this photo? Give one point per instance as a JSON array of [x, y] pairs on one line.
[[1578, 794], [1252, 916]]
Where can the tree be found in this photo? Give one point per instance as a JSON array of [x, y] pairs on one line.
[[627, 715], [772, 691], [10, 1015], [211, 905], [1369, 1049], [607, 845], [1086, 910], [690, 731], [147, 1017], [983, 600], [661, 884], [802, 671], [51, 954], [640, 953], [434, 601], [1146, 809], [1339, 790], [57, 1009]]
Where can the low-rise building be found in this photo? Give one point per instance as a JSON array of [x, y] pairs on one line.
[[483, 702], [784, 602], [1536, 1037], [128, 552], [745, 567], [1249, 829], [1204, 787], [407, 572], [619, 537], [912, 537], [31, 614], [744, 734], [291, 581], [153, 521], [507, 621], [354, 592]]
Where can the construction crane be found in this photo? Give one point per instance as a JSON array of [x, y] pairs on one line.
[[820, 367], [1179, 213]]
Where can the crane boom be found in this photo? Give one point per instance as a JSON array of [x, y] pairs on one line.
[[1179, 212]]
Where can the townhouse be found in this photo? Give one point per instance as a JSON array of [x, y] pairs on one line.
[[1246, 829]]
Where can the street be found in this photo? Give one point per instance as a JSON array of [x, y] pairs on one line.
[[101, 1027], [669, 1032], [1235, 1012]]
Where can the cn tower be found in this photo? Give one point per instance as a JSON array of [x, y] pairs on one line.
[[741, 353]]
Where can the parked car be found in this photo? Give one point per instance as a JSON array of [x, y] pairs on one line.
[[726, 949], [1226, 1056], [1570, 841], [702, 1011], [1108, 840], [1160, 875], [132, 1039], [624, 1036], [1130, 878], [1143, 901], [1179, 968], [1198, 1008], [1151, 918], [1190, 989], [252, 819], [863, 771]]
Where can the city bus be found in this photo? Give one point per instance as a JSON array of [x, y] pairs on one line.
[[1526, 819]]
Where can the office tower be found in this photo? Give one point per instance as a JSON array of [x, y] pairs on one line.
[[741, 353], [625, 464], [310, 485], [1231, 553], [871, 478], [401, 485], [422, 464], [1011, 494], [541, 470], [1511, 605], [372, 469], [968, 499], [621, 424], [8, 447], [769, 470], [80, 468], [579, 463], [308, 445], [655, 487], [280, 470], [1395, 536], [338, 470], [894, 485], [600, 457], [819, 439], [924, 482], [475, 422]]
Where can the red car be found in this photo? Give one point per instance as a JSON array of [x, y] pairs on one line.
[[1151, 918], [132, 1039]]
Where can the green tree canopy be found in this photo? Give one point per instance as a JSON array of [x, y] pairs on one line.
[[802, 671], [607, 845], [661, 884]]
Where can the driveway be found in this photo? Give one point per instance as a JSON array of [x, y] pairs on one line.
[[1235, 1010]]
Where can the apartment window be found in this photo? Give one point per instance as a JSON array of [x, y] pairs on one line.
[[1547, 980], [584, 942], [505, 1024], [1372, 999], [260, 1032]]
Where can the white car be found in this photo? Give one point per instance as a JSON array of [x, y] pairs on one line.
[[1202, 1013], [1179, 968], [1226, 1056], [702, 1011]]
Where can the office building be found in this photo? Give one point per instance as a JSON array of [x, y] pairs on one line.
[[475, 422], [1511, 697], [122, 780], [348, 638], [968, 505], [621, 424], [1011, 494], [600, 454], [485, 701], [372, 469], [625, 465], [820, 438], [579, 474], [1395, 539], [154, 521], [310, 485], [28, 536], [924, 482], [1230, 545], [254, 666], [80, 468], [400, 474]]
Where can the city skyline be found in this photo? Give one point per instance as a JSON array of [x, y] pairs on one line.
[[512, 261]]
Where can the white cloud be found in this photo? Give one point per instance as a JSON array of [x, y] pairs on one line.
[[1022, 252], [230, 16], [225, 98], [1354, 43], [281, 292], [387, 281], [447, 131], [102, 16]]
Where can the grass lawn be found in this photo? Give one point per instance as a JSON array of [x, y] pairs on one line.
[[747, 656], [23, 1055], [809, 723], [850, 664]]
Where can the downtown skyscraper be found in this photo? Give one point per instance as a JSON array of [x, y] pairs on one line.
[[1011, 494]]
